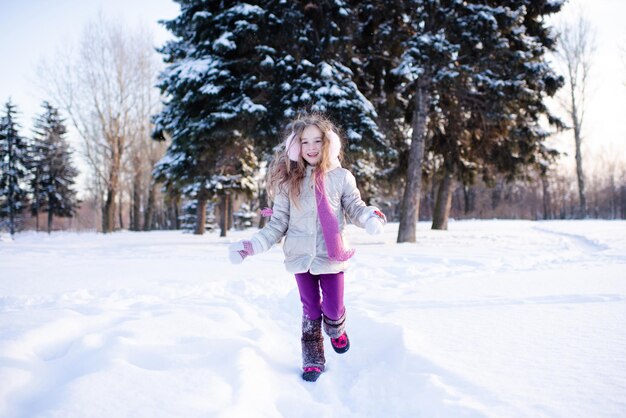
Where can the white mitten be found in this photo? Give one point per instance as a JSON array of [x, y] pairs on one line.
[[238, 251], [375, 224]]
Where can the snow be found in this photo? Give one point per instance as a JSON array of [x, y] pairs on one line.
[[192, 69], [247, 105], [267, 62], [224, 42], [246, 9], [326, 71], [489, 319], [210, 89], [202, 15], [334, 91]]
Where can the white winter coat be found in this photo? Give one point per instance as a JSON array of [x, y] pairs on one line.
[[304, 246]]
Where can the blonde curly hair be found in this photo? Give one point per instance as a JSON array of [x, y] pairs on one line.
[[286, 175]]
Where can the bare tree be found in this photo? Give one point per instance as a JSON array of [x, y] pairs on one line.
[[606, 180], [101, 88], [576, 47], [144, 152]]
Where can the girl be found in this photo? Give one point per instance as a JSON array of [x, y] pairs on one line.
[[312, 196]]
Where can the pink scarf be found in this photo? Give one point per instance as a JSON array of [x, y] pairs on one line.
[[329, 223]]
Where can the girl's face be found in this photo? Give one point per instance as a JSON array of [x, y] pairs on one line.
[[311, 141]]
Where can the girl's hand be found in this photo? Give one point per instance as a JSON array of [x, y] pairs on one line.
[[375, 225], [238, 251]]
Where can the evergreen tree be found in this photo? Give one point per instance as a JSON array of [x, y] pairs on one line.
[[14, 163], [211, 86], [426, 59], [313, 48], [497, 96], [54, 175], [237, 71], [381, 28], [483, 71]]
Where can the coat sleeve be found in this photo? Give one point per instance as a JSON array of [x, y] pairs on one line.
[[354, 207], [276, 228]]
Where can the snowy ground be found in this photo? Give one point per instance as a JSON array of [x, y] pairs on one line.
[[488, 319]]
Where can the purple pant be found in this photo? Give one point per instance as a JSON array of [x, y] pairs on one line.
[[330, 302]]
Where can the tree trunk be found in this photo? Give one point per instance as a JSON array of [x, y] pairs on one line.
[[263, 203], [613, 198], [11, 221], [131, 214], [201, 216], [468, 200], [11, 194], [50, 220], [431, 196], [176, 215], [229, 215], [149, 211], [37, 202], [136, 206], [444, 201], [108, 211], [622, 211], [547, 204], [579, 168], [119, 211], [496, 195], [409, 209], [224, 214]]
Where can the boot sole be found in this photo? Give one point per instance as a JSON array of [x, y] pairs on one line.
[[311, 376]]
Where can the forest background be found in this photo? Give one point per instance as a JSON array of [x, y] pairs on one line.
[[478, 161]]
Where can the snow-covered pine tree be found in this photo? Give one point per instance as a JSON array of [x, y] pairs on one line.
[[53, 174], [465, 109], [239, 70], [530, 41], [426, 58], [381, 28], [311, 49], [483, 69], [493, 99], [14, 163], [213, 91]]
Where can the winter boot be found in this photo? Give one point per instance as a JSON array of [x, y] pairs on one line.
[[341, 344], [313, 359], [336, 330]]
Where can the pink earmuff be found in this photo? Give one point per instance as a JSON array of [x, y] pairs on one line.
[[292, 146]]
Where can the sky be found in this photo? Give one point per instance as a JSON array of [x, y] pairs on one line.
[[38, 28], [604, 130]]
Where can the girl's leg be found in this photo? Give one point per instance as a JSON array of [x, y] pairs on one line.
[[312, 344], [308, 285], [332, 291], [312, 338], [332, 304]]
